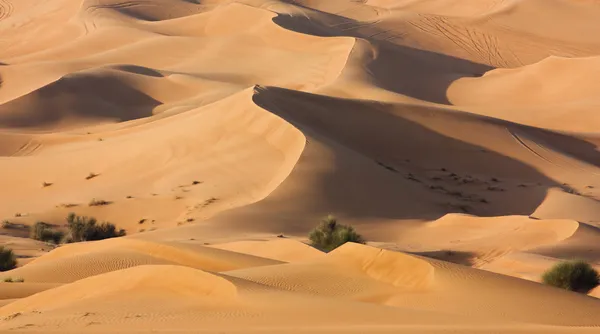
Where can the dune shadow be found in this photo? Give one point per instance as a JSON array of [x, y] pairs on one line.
[[360, 133], [420, 74], [458, 257], [151, 11], [78, 96], [139, 70]]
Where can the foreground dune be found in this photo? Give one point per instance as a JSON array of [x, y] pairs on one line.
[[458, 137], [363, 287]]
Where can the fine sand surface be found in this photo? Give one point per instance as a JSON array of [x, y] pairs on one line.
[[459, 137]]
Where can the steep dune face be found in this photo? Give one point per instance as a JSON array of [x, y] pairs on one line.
[[443, 131]]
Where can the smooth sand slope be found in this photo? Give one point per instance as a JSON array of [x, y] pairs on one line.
[[459, 137]]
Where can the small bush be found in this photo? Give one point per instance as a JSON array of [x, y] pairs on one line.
[[6, 224], [13, 280], [43, 232], [88, 229], [98, 202], [8, 259], [329, 235], [578, 276]]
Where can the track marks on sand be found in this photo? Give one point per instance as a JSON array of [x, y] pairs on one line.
[[6, 9]]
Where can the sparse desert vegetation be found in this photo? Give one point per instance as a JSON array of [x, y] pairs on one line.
[[13, 280], [7, 224], [576, 275], [329, 235], [98, 202], [44, 232], [8, 259], [88, 229]]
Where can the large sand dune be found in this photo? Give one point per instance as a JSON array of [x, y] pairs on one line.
[[459, 137]]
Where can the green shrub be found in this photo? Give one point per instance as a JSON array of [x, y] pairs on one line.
[[88, 229], [44, 232], [329, 235], [8, 259], [578, 276]]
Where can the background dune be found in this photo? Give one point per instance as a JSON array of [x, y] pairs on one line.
[[458, 137]]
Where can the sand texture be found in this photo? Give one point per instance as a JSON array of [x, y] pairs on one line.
[[459, 137]]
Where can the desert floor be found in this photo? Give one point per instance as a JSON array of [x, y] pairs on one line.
[[459, 137]]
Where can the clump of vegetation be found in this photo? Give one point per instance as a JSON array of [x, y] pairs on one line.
[[88, 229], [7, 224], [67, 205], [11, 280], [46, 184], [8, 259], [98, 202], [329, 235], [44, 232], [578, 276]]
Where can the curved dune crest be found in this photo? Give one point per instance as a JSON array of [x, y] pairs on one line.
[[76, 261], [393, 268], [353, 271], [280, 249], [167, 281], [561, 205], [552, 81], [556, 92], [472, 233]]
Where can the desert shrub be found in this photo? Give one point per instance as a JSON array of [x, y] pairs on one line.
[[7, 224], [13, 280], [44, 232], [88, 229], [578, 276], [8, 259], [98, 202], [329, 235]]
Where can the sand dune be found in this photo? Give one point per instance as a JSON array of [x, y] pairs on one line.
[[77, 261], [458, 137], [281, 249]]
